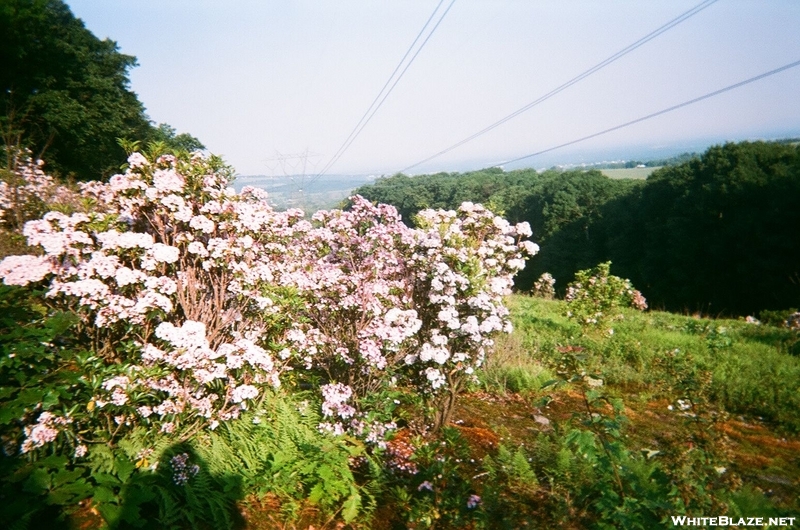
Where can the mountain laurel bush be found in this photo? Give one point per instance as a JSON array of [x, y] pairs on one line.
[[192, 300], [594, 298]]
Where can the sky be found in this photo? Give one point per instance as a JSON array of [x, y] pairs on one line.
[[276, 86]]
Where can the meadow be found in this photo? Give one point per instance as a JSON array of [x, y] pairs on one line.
[[629, 173]]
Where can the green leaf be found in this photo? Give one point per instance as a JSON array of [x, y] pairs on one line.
[[31, 395], [351, 506], [110, 512], [124, 467], [551, 382], [64, 476], [11, 411], [103, 494], [326, 473], [105, 479], [38, 482], [317, 494]]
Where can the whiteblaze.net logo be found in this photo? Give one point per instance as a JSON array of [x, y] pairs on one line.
[[683, 520]]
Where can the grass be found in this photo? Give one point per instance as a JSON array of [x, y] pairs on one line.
[[742, 381], [750, 368], [629, 173]]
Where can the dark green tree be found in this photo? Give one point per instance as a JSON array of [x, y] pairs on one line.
[[65, 94], [167, 135], [719, 233]]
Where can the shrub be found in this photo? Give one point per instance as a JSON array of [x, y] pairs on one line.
[[594, 297], [544, 287], [192, 298]]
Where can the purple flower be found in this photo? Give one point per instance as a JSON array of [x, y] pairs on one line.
[[473, 502]]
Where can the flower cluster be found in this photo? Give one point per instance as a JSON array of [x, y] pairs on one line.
[[28, 190], [473, 502], [44, 431], [181, 470]]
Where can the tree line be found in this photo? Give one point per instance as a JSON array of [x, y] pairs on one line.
[[65, 94], [716, 233]]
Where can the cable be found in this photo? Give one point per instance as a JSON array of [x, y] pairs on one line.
[[370, 111], [387, 81], [631, 47], [660, 112]]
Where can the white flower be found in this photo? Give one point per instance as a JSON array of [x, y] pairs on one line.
[[530, 247], [240, 393], [202, 223], [196, 247], [165, 253]]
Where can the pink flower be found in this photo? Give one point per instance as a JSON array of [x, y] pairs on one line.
[[202, 223], [22, 270], [243, 392], [136, 160], [165, 253], [168, 181]]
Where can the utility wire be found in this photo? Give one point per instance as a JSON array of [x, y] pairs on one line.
[[660, 112], [365, 119], [599, 66], [371, 105]]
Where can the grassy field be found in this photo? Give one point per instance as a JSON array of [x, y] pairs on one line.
[[629, 173], [694, 392]]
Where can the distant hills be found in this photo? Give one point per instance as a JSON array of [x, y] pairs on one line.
[[305, 191], [310, 193]]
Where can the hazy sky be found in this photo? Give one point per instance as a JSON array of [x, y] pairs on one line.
[[258, 81]]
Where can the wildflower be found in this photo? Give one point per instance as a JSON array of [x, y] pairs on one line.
[[181, 470], [425, 486], [473, 502]]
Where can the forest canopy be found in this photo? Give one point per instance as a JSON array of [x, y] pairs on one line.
[[716, 233], [65, 94]]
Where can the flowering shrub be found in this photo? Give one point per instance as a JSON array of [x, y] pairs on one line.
[[793, 322], [172, 279], [544, 287], [386, 305], [464, 262], [595, 295], [27, 192], [194, 298]]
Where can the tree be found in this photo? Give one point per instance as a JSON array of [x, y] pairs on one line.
[[720, 232], [65, 94], [167, 135]]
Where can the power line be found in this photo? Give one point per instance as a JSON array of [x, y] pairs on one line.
[[654, 114], [365, 119], [371, 105], [599, 66]]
